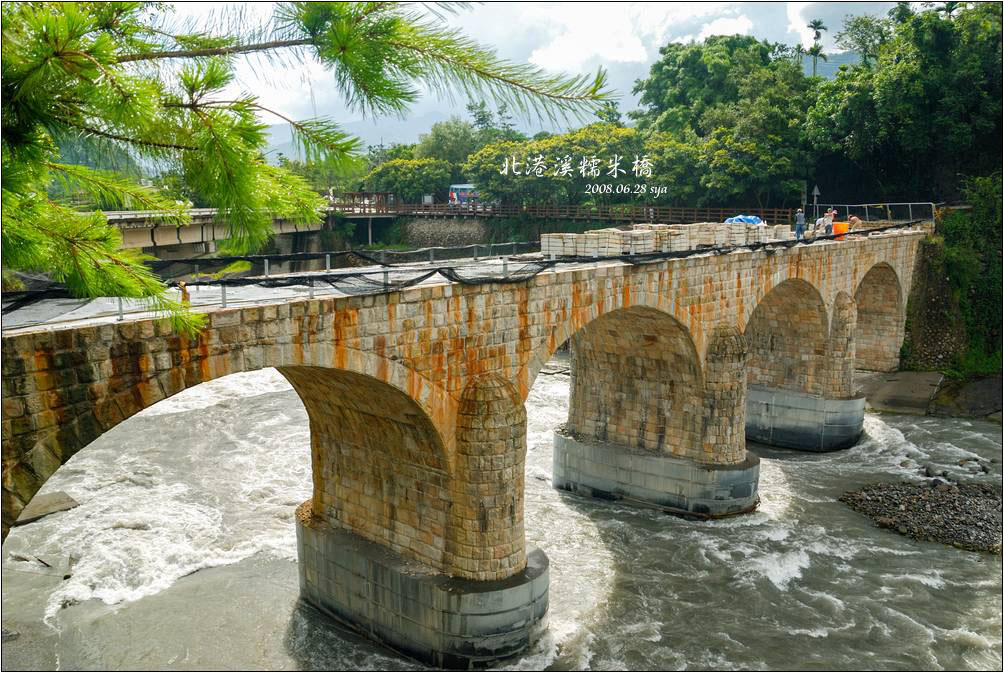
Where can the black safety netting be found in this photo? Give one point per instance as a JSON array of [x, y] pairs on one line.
[[505, 263]]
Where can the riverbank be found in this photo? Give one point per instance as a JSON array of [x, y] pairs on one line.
[[931, 394]]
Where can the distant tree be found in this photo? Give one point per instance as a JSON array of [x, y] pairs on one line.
[[865, 34], [410, 179], [798, 54], [609, 114], [326, 176], [816, 52], [690, 79], [901, 13], [817, 27], [675, 167], [452, 141], [493, 127], [491, 167], [949, 8], [378, 154], [481, 116], [932, 102]]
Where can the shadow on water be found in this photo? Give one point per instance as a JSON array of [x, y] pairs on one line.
[[316, 642]]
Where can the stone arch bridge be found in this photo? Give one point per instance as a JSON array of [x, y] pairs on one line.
[[414, 531]]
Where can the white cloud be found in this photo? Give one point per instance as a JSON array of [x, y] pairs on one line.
[[727, 26], [611, 32], [797, 23]]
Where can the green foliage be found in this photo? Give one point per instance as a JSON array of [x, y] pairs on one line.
[[378, 154], [609, 114], [410, 179], [450, 141], [974, 266], [675, 167], [98, 73], [691, 79], [865, 34], [327, 176], [602, 141], [932, 102], [817, 26], [493, 127]]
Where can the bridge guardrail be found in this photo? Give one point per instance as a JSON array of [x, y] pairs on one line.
[[607, 213], [880, 212]]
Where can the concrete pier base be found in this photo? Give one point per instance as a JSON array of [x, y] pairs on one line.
[[801, 421], [439, 620], [608, 470]]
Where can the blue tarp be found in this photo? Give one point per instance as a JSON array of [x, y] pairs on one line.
[[748, 219]]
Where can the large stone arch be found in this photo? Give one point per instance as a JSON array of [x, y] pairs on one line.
[[643, 423], [64, 389], [800, 375], [378, 464], [589, 305], [637, 382], [881, 319], [787, 334]]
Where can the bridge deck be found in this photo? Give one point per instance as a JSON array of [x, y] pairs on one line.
[[59, 313], [63, 313]]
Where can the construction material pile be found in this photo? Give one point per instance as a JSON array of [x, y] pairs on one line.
[[653, 238]]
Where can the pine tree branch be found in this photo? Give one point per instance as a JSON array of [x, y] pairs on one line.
[[126, 139], [215, 51], [495, 76]]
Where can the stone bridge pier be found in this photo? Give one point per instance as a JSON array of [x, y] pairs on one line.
[[414, 531], [648, 421]]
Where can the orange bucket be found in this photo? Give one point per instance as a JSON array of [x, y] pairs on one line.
[[840, 228]]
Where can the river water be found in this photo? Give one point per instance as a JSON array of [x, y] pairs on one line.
[[208, 480]]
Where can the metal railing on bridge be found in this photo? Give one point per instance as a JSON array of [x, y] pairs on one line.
[[879, 212], [605, 213]]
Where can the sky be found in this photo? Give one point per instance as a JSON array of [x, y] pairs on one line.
[[569, 37]]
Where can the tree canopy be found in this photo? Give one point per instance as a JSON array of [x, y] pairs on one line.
[[410, 179]]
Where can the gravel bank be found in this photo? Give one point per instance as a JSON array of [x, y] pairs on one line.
[[964, 515]]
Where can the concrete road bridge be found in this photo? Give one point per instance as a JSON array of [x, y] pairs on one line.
[[415, 528]]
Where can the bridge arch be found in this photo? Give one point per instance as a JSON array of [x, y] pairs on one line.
[[588, 306], [881, 319], [379, 465], [129, 370], [647, 420], [636, 381], [788, 333]]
